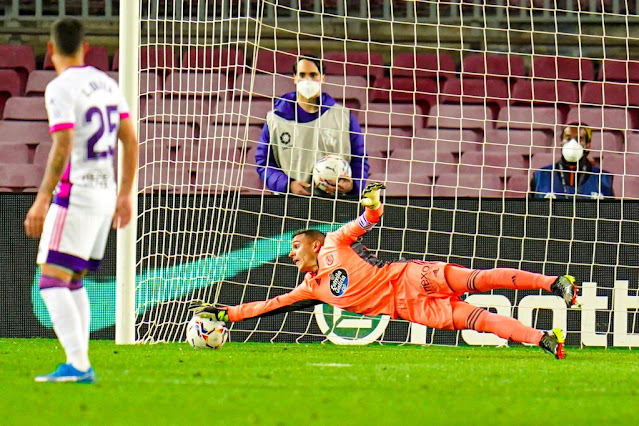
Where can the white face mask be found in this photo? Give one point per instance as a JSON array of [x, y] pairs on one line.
[[309, 88], [572, 151]]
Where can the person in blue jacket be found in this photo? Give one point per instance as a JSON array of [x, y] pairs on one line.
[[574, 174], [304, 126]]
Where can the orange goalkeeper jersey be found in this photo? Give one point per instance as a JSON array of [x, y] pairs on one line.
[[349, 277]]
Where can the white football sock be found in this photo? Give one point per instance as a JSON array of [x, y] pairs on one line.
[[82, 304], [67, 325]]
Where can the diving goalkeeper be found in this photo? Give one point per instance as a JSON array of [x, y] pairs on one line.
[[341, 272]]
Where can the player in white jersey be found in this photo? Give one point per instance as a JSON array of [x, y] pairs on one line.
[[78, 200]]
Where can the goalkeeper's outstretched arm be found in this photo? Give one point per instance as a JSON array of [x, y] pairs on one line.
[[299, 298]]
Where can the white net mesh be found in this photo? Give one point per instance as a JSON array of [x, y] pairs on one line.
[[459, 104]]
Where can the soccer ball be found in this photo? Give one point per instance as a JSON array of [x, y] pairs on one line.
[[330, 167], [206, 333]]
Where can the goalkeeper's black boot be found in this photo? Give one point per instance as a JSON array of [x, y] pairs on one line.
[[565, 288], [553, 343]]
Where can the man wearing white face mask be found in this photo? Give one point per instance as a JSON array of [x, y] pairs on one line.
[[304, 126], [574, 173]]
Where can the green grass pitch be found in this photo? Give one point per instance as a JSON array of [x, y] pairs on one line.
[[295, 384]]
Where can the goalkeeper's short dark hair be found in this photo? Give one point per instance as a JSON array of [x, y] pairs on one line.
[[313, 234], [67, 35]]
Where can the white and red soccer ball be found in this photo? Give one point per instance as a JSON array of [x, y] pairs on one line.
[[330, 168], [206, 333]]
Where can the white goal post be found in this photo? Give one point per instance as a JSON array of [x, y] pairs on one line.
[[460, 103]]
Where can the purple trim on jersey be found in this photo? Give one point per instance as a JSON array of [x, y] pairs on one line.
[[51, 282], [364, 223], [76, 264], [124, 115], [94, 264], [61, 126], [63, 192], [75, 284]]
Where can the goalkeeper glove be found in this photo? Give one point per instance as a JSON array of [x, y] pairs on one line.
[[207, 310], [370, 195]]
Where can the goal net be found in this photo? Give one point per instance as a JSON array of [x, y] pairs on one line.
[[459, 104]]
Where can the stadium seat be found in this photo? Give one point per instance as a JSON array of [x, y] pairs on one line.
[[276, 61], [563, 68], [604, 118], [523, 139], [626, 187], [229, 143], [423, 65], [468, 185], [150, 83], [96, 57], [350, 90], [542, 92], [470, 117], [620, 70], [392, 115], [251, 182], [517, 185], [383, 145], [19, 58], [9, 86], [21, 177], [37, 82], [242, 113], [493, 66], [161, 60], [177, 132], [609, 94], [26, 132], [611, 162], [163, 176], [16, 153], [450, 140], [197, 84], [23, 108], [215, 178], [607, 141], [263, 85], [197, 112], [632, 142], [365, 64], [475, 91], [529, 118], [41, 155], [395, 89], [227, 61]]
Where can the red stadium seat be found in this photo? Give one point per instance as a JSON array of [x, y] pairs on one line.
[[384, 145], [604, 118], [196, 112], [529, 92], [263, 85], [21, 177], [350, 90], [632, 142], [365, 64], [608, 94], [37, 83], [475, 91], [562, 68], [423, 65], [468, 185], [25, 132], [163, 176], [620, 70], [28, 109], [197, 84], [96, 57], [450, 140], [276, 61], [518, 185], [9, 86], [493, 66], [543, 159], [394, 89], [161, 60], [243, 113], [392, 115], [228, 61], [529, 118], [19, 58], [450, 116], [519, 138], [251, 181], [610, 162], [606, 141], [17, 153], [150, 83], [626, 187]]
